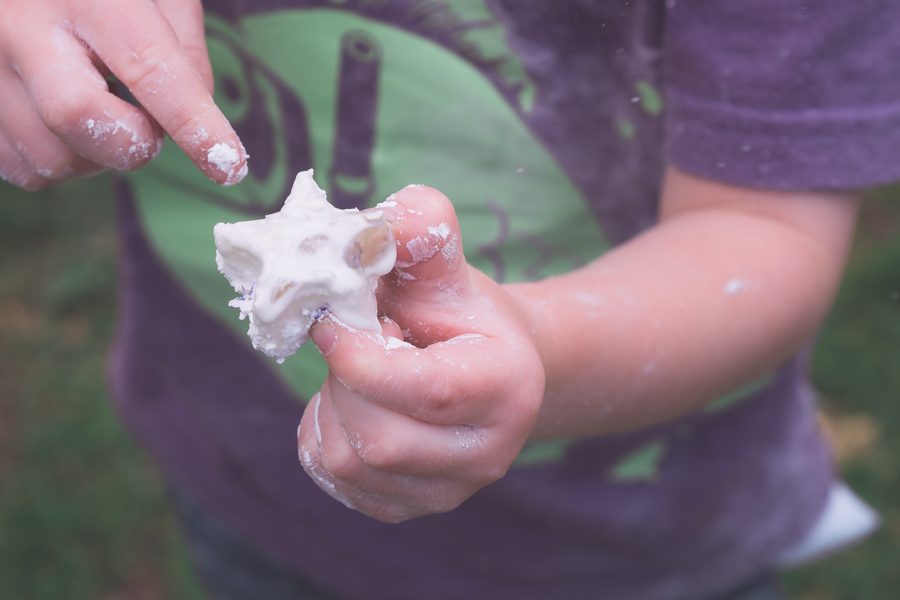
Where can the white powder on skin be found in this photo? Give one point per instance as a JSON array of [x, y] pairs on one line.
[[62, 173], [223, 157], [138, 149], [465, 337], [587, 299], [421, 249], [392, 343], [450, 250], [27, 156], [302, 263], [226, 158], [735, 286], [438, 240], [199, 136], [312, 465], [467, 437], [317, 400], [442, 231]]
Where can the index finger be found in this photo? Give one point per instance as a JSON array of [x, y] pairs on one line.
[[443, 384], [137, 44]]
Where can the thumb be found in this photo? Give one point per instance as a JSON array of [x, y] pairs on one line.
[[430, 260], [185, 17]]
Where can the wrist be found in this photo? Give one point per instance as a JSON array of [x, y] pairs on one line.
[[536, 313]]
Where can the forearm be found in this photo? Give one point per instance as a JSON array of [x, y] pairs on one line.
[[720, 292]]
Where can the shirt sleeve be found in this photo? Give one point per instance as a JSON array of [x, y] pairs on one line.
[[784, 94]]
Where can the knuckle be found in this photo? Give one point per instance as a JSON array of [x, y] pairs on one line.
[[184, 127], [194, 47], [365, 376], [439, 408], [65, 112], [348, 361], [340, 461], [442, 401], [384, 455], [147, 68], [196, 51]]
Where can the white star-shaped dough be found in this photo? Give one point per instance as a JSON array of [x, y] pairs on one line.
[[294, 266]]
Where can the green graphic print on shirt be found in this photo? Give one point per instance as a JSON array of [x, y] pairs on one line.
[[285, 77]]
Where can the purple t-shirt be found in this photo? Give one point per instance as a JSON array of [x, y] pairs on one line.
[[548, 124]]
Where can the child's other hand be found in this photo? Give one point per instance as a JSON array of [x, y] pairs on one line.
[[58, 118], [400, 431]]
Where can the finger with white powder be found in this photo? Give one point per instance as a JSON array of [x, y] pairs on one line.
[[142, 50], [65, 102]]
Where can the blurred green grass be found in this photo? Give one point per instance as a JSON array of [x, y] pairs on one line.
[[856, 368], [83, 513]]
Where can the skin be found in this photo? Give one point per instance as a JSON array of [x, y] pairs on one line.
[[728, 285], [58, 118]]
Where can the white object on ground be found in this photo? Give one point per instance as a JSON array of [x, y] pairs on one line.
[[845, 521], [303, 262]]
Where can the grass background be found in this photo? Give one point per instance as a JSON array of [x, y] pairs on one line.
[[83, 513]]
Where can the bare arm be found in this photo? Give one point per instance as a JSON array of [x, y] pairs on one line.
[[727, 286]]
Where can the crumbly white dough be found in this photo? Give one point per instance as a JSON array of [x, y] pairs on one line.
[[226, 159], [294, 266]]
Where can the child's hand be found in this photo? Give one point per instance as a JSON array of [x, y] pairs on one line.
[[58, 118], [727, 286], [400, 431]]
